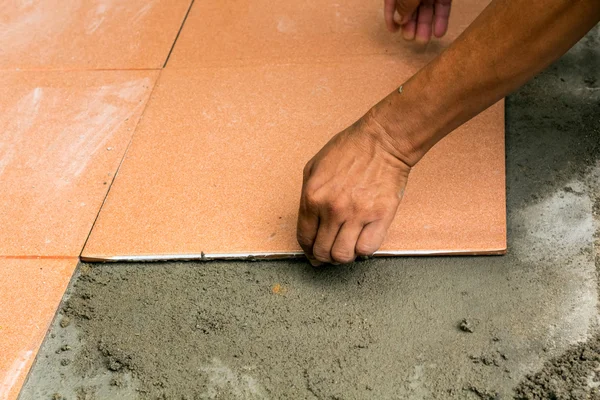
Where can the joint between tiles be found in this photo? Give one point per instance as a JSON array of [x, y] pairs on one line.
[[120, 163], [178, 33]]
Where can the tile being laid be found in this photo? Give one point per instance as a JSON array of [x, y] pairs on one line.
[[215, 167], [257, 31], [62, 138], [93, 34], [30, 292]]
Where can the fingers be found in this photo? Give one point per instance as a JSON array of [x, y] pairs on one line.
[[371, 237], [424, 21], [307, 227], [441, 16], [419, 19], [328, 231], [335, 243], [389, 8], [409, 29], [345, 243]]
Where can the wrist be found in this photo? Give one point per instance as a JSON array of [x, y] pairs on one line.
[[394, 128], [412, 120], [389, 137]]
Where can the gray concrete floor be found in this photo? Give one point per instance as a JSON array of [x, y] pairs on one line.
[[379, 329]]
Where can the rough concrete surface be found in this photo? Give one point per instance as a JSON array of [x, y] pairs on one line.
[[520, 326]]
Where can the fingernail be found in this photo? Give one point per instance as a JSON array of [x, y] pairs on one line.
[[398, 19]]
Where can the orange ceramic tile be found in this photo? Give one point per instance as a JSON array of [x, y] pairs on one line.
[[254, 31], [30, 292], [93, 34], [62, 137], [215, 168]]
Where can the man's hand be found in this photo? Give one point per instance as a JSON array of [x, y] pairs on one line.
[[351, 191], [418, 18]]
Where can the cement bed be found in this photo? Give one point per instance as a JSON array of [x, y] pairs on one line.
[[395, 328]]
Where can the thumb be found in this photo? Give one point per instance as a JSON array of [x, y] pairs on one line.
[[406, 8]]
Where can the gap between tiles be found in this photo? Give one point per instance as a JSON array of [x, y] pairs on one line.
[[121, 161], [178, 33]]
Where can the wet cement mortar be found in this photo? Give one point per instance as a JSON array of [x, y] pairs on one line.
[[523, 326]]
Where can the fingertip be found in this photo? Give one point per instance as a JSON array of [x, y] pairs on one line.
[[423, 33], [408, 31], [441, 17], [440, 27], [422, 39], [371, 238], [314, 262], [389, 15]]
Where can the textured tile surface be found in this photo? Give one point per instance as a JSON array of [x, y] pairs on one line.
[[62, 137], [30, 292], [255, 31], [100, 34], [216, 164]]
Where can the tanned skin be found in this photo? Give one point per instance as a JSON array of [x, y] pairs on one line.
[[353, 186]]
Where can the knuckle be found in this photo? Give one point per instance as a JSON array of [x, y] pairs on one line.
[[311, 199], [321, 255], [307, 170], [365, 249], [379, 212], [343, 256], [303, 240], [337, 207]]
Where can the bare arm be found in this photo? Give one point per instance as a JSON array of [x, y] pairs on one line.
[[509, 43], [353, 186]]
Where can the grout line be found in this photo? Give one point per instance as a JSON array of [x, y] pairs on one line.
[[121, 162], [178, 33]]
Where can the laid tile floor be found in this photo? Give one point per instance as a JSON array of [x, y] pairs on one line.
[[94, 34], [75, 82], [233, 32], [63, 136]]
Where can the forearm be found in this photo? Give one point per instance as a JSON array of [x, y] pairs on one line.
[[510, 42]]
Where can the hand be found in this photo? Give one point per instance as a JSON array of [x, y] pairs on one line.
[[418, 18], [351, 191]]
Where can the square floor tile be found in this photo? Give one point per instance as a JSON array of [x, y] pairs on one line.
[[62, 137], [257, 31], [215, 168], [93, 34], [30, 292]]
